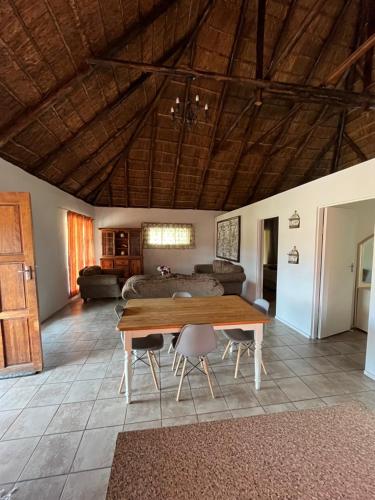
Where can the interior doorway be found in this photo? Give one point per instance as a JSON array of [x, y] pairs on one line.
[[344, 268], [269, 254]]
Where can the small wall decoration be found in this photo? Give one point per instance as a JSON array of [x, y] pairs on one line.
[[294, 221], [228, 239], [293, 256]]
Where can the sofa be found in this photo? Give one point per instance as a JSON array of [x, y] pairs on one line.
[[97, 283], [231, 276], [156, 286]]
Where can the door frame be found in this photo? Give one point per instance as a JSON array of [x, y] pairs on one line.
[[358, 262], [259, 258]]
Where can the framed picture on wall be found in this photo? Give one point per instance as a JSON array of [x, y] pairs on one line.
[[228, 239]]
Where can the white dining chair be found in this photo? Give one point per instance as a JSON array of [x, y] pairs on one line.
[[244, 340], [195, 341], [177, 295]]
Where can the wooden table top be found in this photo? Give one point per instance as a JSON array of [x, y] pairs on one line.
[[149, 314]]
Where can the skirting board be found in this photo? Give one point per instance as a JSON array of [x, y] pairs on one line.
[[369, 374], [293, 326]]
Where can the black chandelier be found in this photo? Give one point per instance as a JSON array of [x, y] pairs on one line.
[[189, 112]]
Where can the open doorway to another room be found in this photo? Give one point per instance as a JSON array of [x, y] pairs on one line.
[[269, 267]]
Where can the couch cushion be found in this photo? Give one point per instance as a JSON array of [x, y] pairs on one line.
[[223, 266], [90, 270], [153, 286]]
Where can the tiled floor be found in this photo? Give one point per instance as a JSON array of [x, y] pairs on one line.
[[58, 429]]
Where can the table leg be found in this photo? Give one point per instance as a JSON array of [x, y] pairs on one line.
[[128, 367], [258, 337]]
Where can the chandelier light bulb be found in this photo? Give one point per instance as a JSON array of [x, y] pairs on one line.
[[172, 110], [197, 98], [177, 100], [206, 107]]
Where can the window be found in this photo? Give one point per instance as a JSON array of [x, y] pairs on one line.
[[168, 235], [80, 247]]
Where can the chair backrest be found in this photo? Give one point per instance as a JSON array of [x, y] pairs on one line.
[[181, 295], [262, 304], [196, 340], [119, 309]]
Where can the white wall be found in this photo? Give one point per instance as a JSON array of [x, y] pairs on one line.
[[179, 260], [49, 207], [295, 282]]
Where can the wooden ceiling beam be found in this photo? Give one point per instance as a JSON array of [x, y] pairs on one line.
[[234, 170], [70, 84], [174, 51], [309, 173], [293, 91], [355, 147], [339, 140], [222, 99], [369, 56], [95, 174], [261, 17], [349, 61], [151, 158], [151, 106]]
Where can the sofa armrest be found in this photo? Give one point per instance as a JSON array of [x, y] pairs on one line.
[[203, 268], [98, 280], [229, 277]]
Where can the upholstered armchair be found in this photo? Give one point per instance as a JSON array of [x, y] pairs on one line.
[[231, 276], [97, 283]]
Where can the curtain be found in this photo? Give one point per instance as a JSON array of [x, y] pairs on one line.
[[80, 247], [179, 236]]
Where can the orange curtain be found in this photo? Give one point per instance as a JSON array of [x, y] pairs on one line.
[[80, 247]]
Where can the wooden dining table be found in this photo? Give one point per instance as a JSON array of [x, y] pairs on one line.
[[142, 317]]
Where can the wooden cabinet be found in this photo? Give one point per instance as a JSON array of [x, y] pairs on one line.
[[122, 249]]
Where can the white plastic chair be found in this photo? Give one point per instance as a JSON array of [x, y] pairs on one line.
[[244, 339], [195, 341], [177, 295]]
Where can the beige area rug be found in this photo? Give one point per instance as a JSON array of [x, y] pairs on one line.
[[324, 453]]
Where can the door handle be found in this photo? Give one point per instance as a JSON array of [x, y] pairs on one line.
[[351, 267], [28, 272]]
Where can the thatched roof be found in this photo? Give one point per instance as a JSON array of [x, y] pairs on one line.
[[75, 114]]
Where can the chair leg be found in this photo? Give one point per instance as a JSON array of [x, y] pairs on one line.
[[264, 368], [238, 360], [174, 361], [152, 367], [181, 380], [178, 365], [121, 383], [205, 364], [170, 348], [226, 349], [155, 359]]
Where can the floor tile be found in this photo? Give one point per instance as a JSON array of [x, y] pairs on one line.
[[204, 403], [92, 371], [239, 396], [50, 394], [170, 408], [139, 426], [93, 440], [278, 408], [322, 386], [270, 393], [322, 365], [70, 417], [36, 379], [143, 408], [31, 422], [107, 412], [53, 455], [64, 374], [85, 390], [295, 389], [49, 488], [6, 420], [217, 415], [309, 403], [109, 388], [88, 485], [248, 412], [14, 455], [17, 398], [225, 374], [100, 356], [300, 366], [185, 420]]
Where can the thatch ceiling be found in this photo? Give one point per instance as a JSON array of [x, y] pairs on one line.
[[102, 130]]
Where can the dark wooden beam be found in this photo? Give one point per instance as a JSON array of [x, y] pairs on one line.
[[355, 147], [370, 30], [126, 177], [315, 164], [93, 176], [240, 156], [70, 84], [173, 52], [151, 157], [335, 97], [349, 61], [260, 39], [222, 99], [339, 140], [312, 14], [149, 109]]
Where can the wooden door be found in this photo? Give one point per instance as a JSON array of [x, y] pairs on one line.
[[135, 267], [20, 341]]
